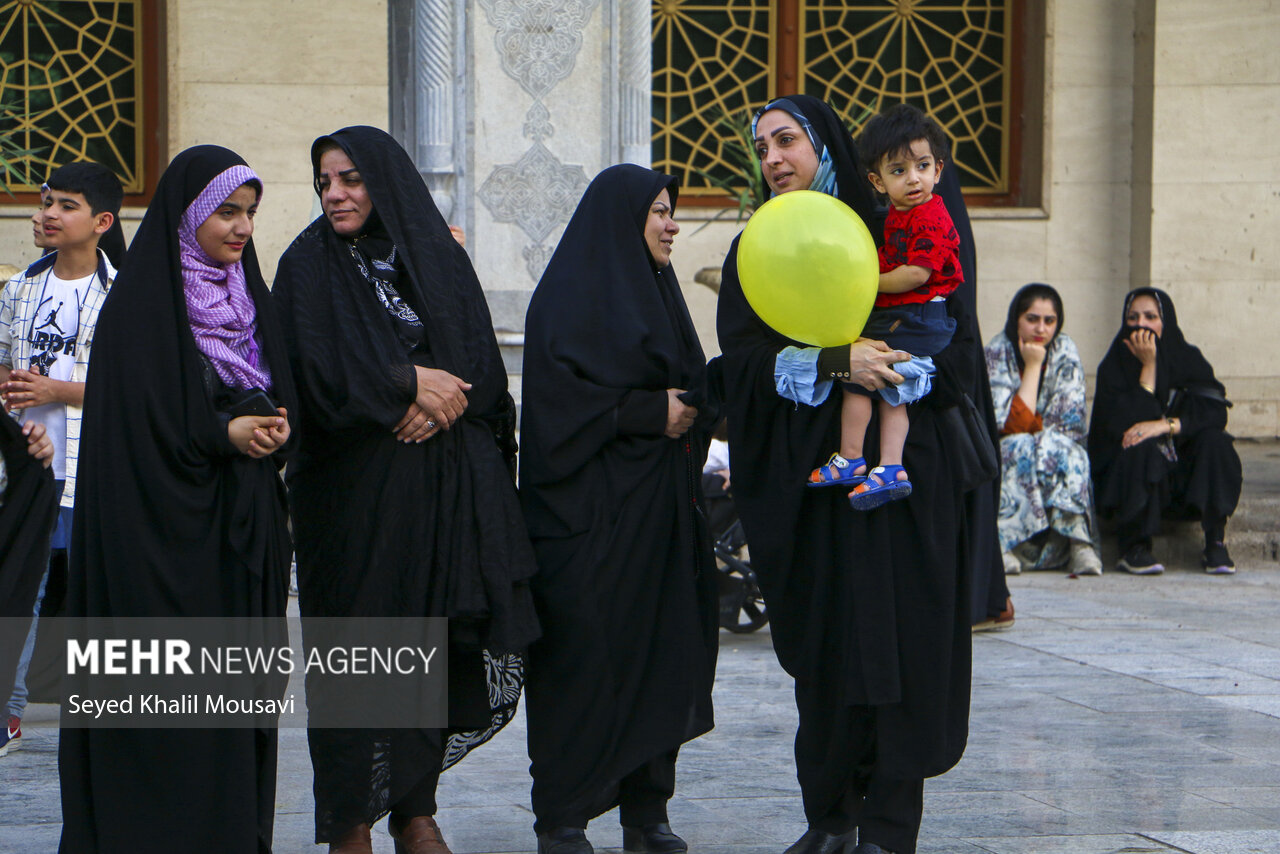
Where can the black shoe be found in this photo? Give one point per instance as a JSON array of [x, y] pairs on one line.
[[870, 848], [652, 839], [1216, 561], [819, 842], [1139, 561], [564, 840]]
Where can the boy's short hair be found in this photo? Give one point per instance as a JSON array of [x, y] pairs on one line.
[[892, 132], [98, 184]]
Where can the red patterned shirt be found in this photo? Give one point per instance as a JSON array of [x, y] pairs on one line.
[[922, 236]]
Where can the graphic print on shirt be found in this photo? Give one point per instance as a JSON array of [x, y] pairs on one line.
[[54, 326]]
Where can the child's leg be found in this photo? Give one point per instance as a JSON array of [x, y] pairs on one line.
[[883, 486], [894, 423], [855, 415]]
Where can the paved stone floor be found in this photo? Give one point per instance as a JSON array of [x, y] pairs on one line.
[[1120, 714]]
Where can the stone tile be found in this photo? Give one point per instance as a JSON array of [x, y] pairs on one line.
[[1237, 842], [1092, 43], [1093, 215], [1020, 259], [310, 37], [1267, 704], [945, 845], [1087, 114], [30, 838], [1081, 844], [1185, 113], [478, 830], [1087, 734], [1243, 797], [1143, 806], [1185, 34], [1221, 241]]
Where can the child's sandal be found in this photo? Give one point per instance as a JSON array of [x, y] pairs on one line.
[[837, 471], [884, 488]]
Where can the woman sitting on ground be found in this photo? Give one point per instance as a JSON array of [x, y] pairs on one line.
[[1157, 436], [1037, 386]]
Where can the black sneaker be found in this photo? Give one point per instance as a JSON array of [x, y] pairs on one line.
[[1216, 561], [1139, 561]]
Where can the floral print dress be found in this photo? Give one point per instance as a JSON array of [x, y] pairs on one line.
[[1046, 499]]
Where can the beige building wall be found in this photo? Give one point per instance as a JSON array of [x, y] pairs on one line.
[[1189, 201], [1161, 162], [263, 79], [1215, 192], [1078, 240]]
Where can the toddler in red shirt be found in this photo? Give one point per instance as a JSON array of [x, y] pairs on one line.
[[919, 268]]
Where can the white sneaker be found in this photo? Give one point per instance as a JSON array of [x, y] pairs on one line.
[[1084, 560], [1012, 566]]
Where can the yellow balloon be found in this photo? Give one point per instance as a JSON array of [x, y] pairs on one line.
[[808, 268]]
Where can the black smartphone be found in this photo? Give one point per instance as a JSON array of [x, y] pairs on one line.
[[253, 401]]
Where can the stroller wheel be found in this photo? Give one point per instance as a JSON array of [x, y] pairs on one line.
[[751, 616], [742, 608]]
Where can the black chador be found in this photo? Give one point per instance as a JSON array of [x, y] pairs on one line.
[[622, 676], [869, 611], [171, 520], [1197, 473], [389, 529]]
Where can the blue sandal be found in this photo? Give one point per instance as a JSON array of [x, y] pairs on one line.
[[885, 488], [836, 471]]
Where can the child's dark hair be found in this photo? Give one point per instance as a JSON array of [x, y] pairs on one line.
[[892, 132], [98, 184]]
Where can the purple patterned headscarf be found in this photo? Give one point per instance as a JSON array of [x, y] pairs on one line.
[[222, 314]]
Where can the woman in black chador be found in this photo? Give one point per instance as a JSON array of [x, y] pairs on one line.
[[615, 427], [869, 611], [180, 511], [1157, 436], [990, 605], [402, 491], [27, 509]]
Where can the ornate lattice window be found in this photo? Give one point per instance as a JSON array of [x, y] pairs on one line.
[[965, 62], [77, 77]]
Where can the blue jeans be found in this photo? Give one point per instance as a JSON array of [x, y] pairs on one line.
[[18, 700]]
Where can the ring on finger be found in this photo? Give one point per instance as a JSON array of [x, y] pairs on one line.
[[431, 425]]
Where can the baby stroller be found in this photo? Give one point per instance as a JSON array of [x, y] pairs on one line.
[[742, 608]]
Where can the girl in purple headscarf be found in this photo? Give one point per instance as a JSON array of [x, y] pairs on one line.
[[180, 511]]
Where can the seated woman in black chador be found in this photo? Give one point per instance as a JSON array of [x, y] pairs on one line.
[[403, 502], [1157, 436], [615, 429]]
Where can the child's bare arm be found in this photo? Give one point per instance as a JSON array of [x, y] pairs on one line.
[[901, 279], [23, 389]]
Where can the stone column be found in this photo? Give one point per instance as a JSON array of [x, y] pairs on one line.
[[632, 40], [428, 97], [509, 107]]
